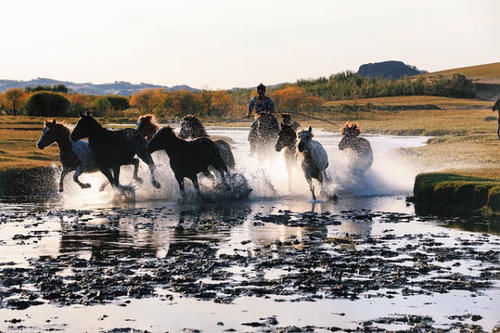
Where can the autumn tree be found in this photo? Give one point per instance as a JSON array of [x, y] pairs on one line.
[[289, 99], [220, 103], [14, 100]]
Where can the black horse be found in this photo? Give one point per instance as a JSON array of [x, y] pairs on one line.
[[263, 134], [192, 128], [188, 158], [112, 149]]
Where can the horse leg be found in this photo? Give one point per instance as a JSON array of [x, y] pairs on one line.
[[107, 172], [64, 172], [194, 179], [79, 170], [136, 162], [103, 185], [180, 181], [116, 172], [311, 186], [146, 157]]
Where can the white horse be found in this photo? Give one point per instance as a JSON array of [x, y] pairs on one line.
[[312, 158]]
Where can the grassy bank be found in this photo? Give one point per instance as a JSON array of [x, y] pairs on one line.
[[456, 193]]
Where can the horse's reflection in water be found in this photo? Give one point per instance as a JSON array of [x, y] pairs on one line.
[[133, 232]]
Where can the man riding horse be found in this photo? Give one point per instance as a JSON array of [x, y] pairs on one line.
[[263, 105]]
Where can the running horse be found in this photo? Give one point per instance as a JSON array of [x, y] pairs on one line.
[[74, 156], [361, 157], [188, 158], [287, 140], [313, 159], [496, 107], [112, 149], [192, 128], [265, 134]]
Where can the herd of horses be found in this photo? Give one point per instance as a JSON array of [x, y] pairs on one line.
[[192, 151]]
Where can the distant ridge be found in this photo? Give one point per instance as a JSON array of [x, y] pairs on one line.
[[388, 69], [117, 88]]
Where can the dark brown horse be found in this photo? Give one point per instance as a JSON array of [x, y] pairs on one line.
[[148, 126], [192, 128], [188, 158], [496, 107], [112, 149], [263, 134], [287, 139]]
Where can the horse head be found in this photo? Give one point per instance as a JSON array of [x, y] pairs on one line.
[[191, 127], [147, 125], [305, 139], [496, 106], [286, 137], [161, 139], [53, 132], [84, 127], [350, 133]]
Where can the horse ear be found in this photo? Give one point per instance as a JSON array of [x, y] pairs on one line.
[[88, 113], [81, 114]]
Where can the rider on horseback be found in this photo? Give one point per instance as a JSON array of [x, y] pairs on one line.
[[262, 104]]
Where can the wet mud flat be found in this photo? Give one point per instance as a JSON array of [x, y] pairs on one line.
[[243, 267]]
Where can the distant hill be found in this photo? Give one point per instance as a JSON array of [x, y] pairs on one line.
[[388, 69], [116, 88]]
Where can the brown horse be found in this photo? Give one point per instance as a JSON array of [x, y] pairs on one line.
[[192, 128], [148, 126], [287, 139], [362, 157], [74, 156], [496, 107]]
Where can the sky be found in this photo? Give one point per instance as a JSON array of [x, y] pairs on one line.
[[224, 44]]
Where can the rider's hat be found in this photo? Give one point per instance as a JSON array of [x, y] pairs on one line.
[[261, 87]]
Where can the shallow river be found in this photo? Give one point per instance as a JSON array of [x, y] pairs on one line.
[[86, 261]]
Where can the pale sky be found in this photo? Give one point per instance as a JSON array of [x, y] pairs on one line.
[[224, 44]]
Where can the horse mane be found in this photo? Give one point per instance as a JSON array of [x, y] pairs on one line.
[[351, 129]]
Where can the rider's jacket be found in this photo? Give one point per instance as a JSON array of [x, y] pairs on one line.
[[265, 104]]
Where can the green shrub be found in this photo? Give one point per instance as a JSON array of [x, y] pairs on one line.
[[48, 104]]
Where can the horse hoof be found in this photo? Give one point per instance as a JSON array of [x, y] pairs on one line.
[[61, 189], [139, 180], [156, 184], [85, 186]]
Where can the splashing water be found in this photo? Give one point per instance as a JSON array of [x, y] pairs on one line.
[[390, 174]]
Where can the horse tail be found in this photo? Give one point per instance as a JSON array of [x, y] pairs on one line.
[[226, 153], [218, 161]]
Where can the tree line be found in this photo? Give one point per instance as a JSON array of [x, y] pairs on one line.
[[349, 85], [302, 96]]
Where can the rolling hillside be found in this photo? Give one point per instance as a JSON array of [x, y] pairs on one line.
[[487, 73], [486, 79]]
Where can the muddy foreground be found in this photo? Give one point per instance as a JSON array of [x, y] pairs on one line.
[[243, 268]]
